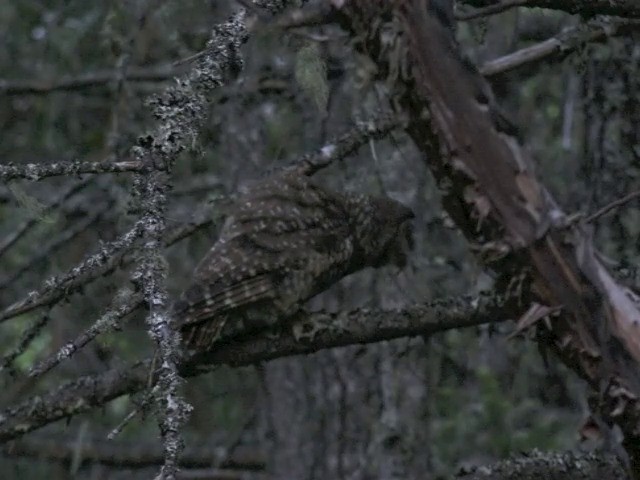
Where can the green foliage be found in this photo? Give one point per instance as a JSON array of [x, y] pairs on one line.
[[32, 205], [486, 414], [279, 141], [311, 75]]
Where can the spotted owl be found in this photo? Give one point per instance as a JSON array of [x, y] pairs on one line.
[[285, 240]]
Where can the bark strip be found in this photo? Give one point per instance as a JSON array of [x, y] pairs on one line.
[[490, 190]]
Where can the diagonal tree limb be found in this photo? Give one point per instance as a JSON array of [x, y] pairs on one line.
[[85, 80], [559, 46], [58, 287], [20, 231], [491, 192], [558, 466]]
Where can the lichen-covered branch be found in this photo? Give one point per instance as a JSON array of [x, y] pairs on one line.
[[150, 277], [559, 466], [58, 287], [124, 303], [312, 333], [343, 146], [39, 171], [180, 111], [21, 230], [85, 80]]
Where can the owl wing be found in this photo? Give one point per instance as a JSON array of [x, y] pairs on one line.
[[279, 246], [225, 283]]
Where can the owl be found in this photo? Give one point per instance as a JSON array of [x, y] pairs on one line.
[[285, 240]]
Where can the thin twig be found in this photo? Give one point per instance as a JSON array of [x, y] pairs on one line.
[[86, 80], [124, 303], [329, 330], [344, 145], [63, 239], [22, 229], [31, 332], [610, 206], [58, 287], [490, 10], [140, 408]]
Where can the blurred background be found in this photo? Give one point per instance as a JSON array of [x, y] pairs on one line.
[[74, 76]]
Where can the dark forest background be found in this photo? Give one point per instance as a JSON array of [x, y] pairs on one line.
[[75, 83]]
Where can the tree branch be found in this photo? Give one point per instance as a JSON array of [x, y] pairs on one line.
[[586, 8], [559, 46], [86, 80], [127, 454], [25, 226], [39, 171], [559, 466], [343, 146], [58, 287], [314, 332]]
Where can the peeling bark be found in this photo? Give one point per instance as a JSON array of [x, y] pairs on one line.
[[490, 190]]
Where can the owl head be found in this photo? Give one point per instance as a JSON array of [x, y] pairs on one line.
[[383, 231]]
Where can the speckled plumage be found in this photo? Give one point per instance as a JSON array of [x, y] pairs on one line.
[[286, 239]]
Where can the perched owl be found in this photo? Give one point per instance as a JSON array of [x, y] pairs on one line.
[[285, 240]]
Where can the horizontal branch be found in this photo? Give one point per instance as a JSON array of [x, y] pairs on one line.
[[559, 46], [86, 80], [39, 171], [622, 8], [337, 149], [213, 474], [57, 287], [127, 454], [567, 465], [315, 332]]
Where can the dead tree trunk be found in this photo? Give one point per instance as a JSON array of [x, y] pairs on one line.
[[512, 223]]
